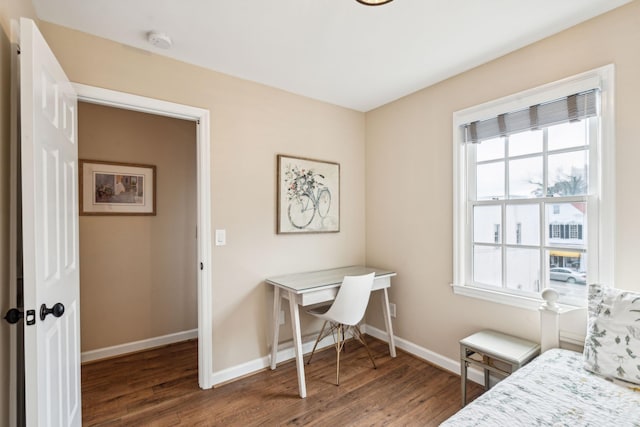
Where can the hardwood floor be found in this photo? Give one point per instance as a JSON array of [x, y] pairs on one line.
[[160, 387]]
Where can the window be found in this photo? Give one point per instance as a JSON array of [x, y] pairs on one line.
[[496, 233], [573, 230], [537, 165]]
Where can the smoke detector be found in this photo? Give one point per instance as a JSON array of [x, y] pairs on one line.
[[160, 40]]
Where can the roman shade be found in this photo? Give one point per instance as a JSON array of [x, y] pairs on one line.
[[571, 108]]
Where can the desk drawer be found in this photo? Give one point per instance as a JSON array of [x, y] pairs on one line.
[[381, 283], [323, 295], [316, 297]]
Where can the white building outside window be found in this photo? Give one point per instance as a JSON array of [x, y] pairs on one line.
[[533, 200]]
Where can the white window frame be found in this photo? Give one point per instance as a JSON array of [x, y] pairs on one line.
[[601, 205]]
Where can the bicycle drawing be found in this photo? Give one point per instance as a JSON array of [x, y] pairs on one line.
[[307, 196]]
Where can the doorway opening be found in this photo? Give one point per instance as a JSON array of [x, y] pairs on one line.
[[124, 101]]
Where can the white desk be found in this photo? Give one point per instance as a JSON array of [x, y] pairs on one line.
[[304, 289]]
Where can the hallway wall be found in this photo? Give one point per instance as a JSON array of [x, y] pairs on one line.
[[138, 273]]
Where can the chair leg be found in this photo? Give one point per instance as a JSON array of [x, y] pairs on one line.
[[317, 341], [345, 331], [361, 339], [339, 345], [339, 338]]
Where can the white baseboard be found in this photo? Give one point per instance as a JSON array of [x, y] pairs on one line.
[[287, 353], [131, 347], [473, 374]]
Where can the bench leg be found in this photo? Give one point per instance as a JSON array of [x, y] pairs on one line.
[[487, 378], [463, 377]]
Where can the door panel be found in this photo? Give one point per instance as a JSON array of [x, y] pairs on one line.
[[70, 216], [50, 234]]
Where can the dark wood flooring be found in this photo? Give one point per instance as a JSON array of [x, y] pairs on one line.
[[159, 387]]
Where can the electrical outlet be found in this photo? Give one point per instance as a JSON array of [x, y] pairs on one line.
[[282, 317], [392, 309]]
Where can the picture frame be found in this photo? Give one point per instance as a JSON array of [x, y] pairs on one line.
[[114, 188], [308, 195]]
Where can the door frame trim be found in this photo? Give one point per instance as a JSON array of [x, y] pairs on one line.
[[16, 372], [133, 102]]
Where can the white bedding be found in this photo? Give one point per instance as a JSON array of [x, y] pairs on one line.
[[553, 390]]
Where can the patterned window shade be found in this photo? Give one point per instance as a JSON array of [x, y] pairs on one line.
[[571, 108]]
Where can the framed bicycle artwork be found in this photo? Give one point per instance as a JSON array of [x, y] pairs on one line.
[[308, 195]]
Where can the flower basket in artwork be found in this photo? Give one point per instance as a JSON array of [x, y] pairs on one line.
[[308, 195]]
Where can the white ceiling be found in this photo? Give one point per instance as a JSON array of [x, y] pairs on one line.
[[337, 51]]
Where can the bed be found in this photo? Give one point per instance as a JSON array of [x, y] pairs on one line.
[[597, 387]]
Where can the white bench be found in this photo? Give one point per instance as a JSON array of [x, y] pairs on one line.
[[494, 352]]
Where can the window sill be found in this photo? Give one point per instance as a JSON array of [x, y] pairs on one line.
[[502, 298]]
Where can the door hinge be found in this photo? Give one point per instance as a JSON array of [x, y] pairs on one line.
[[14, 315]]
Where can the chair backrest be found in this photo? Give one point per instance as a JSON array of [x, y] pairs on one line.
[[351, 301]]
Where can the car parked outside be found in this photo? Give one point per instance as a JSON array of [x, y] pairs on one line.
[[567, 275]]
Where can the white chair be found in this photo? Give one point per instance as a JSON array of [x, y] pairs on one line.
[[344, 314]]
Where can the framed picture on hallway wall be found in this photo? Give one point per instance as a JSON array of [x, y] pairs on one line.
[[308, 196], [112, 188]]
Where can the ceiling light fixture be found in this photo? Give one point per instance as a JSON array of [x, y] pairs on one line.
[[160, 40], [374, 2]]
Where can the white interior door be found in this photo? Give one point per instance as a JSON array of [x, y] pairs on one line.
[[49, 162]]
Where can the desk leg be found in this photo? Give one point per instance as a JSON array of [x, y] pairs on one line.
[[276, 326], [463, 380], [297, 343], [387, 318]]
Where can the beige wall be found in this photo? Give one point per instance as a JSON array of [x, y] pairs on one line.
[[409, 206], [408, 176], [250, 124], [138, 273], [9, 10]]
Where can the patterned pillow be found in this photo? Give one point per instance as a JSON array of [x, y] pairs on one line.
[[612, 345]]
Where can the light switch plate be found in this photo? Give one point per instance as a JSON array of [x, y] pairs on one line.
[[221, 237]]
